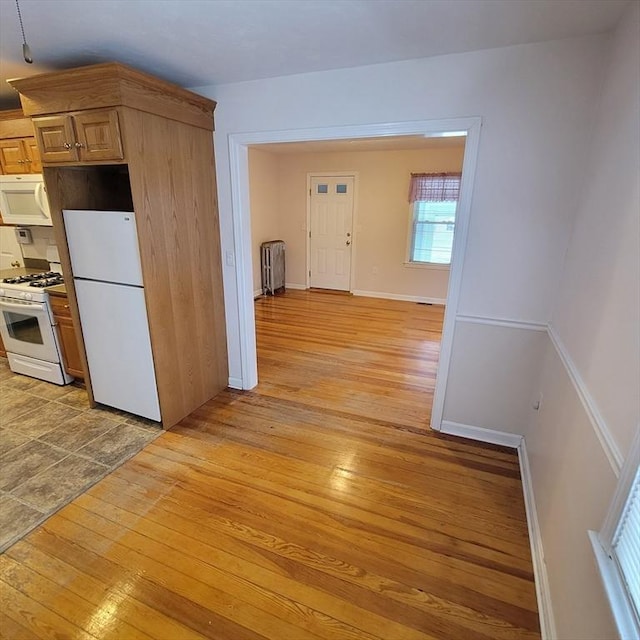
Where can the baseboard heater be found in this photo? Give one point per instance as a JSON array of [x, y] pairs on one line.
[[272, 260]]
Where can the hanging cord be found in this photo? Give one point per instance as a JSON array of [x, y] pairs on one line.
[[26, 52]]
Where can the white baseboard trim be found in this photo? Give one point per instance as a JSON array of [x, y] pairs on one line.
[[235, 383], [543, 593], [480, 433], [600, 427], [502, 322], [398, 296], [257, 293]]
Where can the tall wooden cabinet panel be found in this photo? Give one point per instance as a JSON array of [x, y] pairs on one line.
[[159, 137]]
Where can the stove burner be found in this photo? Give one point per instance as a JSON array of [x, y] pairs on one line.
[[46, 279], [46, 282]]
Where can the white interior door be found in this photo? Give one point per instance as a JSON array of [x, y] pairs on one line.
[[9, 248], [331, 222]]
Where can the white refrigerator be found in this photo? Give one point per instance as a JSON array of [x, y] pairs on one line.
[[108, 281]]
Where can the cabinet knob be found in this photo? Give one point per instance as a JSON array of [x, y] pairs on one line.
[[79, 145], [67, 145], [20, 161]]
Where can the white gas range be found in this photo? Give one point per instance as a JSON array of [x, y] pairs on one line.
[[28, 328]]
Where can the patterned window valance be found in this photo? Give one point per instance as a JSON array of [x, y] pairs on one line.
[[434, 187]]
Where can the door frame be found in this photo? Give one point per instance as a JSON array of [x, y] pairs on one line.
[[241, 222], [333, 174]]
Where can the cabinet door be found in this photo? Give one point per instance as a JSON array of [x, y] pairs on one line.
[[12, 157], [55, 139], [69, 347], [67, 336], [98, 134], [32, 155]]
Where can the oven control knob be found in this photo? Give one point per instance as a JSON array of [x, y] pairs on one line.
[[28, 296]]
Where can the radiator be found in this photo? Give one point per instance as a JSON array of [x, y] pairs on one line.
[[272, 259]]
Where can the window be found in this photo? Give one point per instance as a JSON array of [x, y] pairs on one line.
[[434, 200], [617, 548]]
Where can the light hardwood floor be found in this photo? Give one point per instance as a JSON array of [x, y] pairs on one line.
[[317, 506]]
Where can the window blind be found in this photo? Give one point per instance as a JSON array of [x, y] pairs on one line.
[[626, 544]]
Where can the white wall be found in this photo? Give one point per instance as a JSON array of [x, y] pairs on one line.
[[536, 103], [264, 197], [597, 314], [382, 216], [596, 321], [514, 356]]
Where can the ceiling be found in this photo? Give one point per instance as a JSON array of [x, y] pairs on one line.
[[201, 42]]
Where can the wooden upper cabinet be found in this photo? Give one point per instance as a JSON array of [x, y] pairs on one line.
[[98, 134], [18, 151], [12, 156], [19, 155], [83, 136], [33, 155], [56, 138]]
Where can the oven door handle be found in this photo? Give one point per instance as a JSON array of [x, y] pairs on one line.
[[29, 306]]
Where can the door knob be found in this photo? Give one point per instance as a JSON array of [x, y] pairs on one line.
[[15, 264], [348, 242]]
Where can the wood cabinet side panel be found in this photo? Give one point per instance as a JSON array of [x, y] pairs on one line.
[[173, 185], [68, 189]]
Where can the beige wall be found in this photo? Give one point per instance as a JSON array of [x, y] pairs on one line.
[[381, 219], [263, 195]]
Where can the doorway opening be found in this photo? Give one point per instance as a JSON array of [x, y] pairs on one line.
[[239, 155]]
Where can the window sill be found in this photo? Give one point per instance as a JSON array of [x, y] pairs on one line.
[[428, 265], [621, 607]]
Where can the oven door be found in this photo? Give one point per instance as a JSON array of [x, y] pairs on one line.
[[26, 329]]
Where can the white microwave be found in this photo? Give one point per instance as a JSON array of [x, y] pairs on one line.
[[23, 200]]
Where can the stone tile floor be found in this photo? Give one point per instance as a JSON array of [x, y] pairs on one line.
[[53, 447]]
